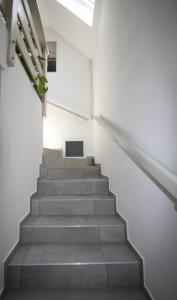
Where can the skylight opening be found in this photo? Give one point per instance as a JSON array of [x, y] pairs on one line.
[[83, 9]]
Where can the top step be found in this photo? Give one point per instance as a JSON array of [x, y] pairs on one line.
[[54, 158]]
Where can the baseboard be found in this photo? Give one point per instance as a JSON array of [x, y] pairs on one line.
[[32, 197], [10, 255], [2, 294], [6, 262], [137, 255], [147, 293]]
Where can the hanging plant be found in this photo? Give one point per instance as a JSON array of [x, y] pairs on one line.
[[41, 85]]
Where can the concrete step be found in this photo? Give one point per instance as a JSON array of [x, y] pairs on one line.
[[72, 229], [70, 173], [63, 205], [74, 186], [127, 293], [66, 162], [46, 266], [52, 153]]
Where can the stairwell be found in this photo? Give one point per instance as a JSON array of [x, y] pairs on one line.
[[73, 245]]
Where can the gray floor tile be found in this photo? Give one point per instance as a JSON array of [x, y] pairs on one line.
[[74, 197], [62, 254], [72, 229], [63, 276], [72, 221], [66, 207], [56, 235], [118, 253], [89, 294], [124, 274]]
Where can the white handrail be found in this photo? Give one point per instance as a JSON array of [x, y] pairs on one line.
[[162, 175], [68, 110]]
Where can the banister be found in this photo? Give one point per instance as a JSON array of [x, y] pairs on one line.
[[34, 9], [44, 98], [23, 19], [70, 111], [165, 178], [31, 22], [26, 36]]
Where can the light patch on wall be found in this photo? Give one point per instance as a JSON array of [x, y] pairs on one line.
[[61, 126], [83, 9], [50, 139]]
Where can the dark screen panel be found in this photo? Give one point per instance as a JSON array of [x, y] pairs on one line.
[[74, 148]]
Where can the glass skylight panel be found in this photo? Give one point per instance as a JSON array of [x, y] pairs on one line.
[[83, 9]]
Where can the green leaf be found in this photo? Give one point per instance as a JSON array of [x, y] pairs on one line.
[[41, 85]]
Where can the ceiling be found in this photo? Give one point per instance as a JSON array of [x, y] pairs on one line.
[[83, 9], [69, 26]]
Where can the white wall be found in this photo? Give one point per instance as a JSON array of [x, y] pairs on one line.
[[20, 153], [61, 126], [135, 88], [68, 25], [70, 86]]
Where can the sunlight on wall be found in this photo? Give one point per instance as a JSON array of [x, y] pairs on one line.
[[51, 138], [83, 9], [60, 126]]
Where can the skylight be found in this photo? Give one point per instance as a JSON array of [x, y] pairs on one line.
[[81, 8]]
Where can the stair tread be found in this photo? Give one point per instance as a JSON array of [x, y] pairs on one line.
[[68, 221], [79, 294], [74, 197], [68, 167], [73, 254], [92, 179]]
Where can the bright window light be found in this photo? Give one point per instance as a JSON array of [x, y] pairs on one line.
[[81, 8]]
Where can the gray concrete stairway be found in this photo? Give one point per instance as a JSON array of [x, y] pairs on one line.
[[73, 244]]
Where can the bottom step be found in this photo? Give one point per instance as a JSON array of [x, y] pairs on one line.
[[46, 266], [82, 294]]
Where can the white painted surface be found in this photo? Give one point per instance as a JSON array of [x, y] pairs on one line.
[[20, 153], [61, 126], [70, 85], [83, 9], [163, 176], [69, 26], [135, 88], [3, 45]]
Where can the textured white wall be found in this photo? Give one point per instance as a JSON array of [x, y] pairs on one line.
[[61, 126], [20, 153], [70, 85], [135, 88]]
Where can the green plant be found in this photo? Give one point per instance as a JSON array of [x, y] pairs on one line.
[[41, 85]]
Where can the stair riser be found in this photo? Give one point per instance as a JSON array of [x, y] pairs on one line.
[[70, 235], [51, 154], [73, 276], [70, 173], [75, 188], [67, 162], [72, 208]]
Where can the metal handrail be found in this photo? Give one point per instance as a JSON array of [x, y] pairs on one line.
[[165, 178], [70, 111]]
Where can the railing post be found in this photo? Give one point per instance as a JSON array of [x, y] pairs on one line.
[[12, 29], [44, 98]]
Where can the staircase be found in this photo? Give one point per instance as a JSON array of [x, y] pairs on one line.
[[73, 244]]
